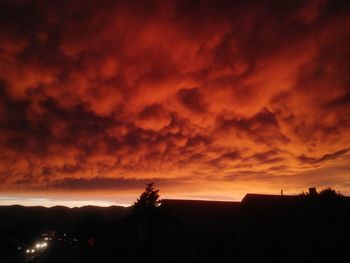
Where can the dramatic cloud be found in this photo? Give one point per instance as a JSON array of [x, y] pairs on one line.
[[209, 98]]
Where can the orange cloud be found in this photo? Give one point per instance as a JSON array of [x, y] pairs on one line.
[[208, 98]]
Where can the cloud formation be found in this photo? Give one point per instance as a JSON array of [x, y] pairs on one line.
[[214, 97]]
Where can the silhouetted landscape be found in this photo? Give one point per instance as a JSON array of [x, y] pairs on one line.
[[301, 228]]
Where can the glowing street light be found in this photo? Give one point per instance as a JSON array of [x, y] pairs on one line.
[[37, 247]]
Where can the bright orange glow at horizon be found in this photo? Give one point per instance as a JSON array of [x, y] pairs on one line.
[[208, 99]]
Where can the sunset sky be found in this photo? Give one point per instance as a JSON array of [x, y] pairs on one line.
[[208, 99]]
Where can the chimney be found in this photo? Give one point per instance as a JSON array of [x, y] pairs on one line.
[[312, 191]]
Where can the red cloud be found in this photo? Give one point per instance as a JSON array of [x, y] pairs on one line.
[[225, 95]]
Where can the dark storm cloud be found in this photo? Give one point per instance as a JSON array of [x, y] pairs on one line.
[[326, 157], [262, 127], [193, 100], [267, 157]]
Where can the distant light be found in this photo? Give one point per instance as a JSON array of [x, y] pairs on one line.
[[27, 251], [37, 245], [33, 250], [46, 238]]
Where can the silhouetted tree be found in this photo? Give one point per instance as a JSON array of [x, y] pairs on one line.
[[149, 198], [325, 194], [329, 193], [145, 214]]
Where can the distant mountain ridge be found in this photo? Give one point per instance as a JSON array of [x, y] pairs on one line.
[[56, 216]]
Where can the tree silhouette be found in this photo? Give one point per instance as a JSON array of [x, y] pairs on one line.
[[325, 194], [149, 198], [329, 193]]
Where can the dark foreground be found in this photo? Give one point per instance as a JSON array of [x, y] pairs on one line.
[[259, 229]]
